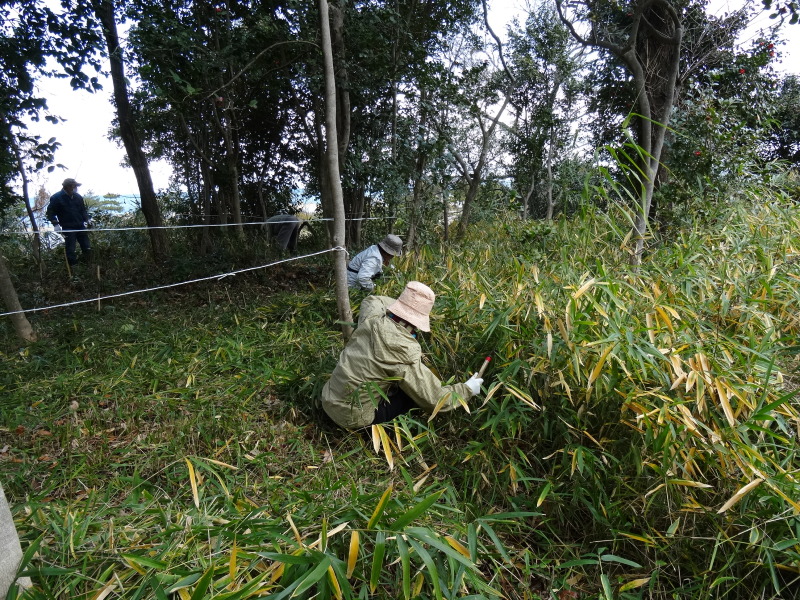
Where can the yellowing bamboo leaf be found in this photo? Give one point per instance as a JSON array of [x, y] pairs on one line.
[[723, 400], [482, 301], [330, 534], [549, 344], [387, 446], [598, 367], [376, 439], [352, 555], [439, 406], [678, 381], [107, 589], [584, 288], [636, 583], [537, 298], [650, 333], [379, 508], [221, 464], [337, 589], [688, 483], [740, 493], [184, 594], [665, 317], [418, 581], [193, 482], [132, 564], [232, 562], [526, 398], [294, 529], [278, 573], [639, 538], [457, 546]]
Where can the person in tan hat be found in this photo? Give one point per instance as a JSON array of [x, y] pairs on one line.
[[67, 212], [368, 264], [380, 374]]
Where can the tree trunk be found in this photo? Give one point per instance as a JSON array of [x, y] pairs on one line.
[[332, 160], [19, 321], [550, 204], [104, 11], [36, 245], [476, 177]]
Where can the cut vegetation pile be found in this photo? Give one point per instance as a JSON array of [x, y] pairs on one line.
[[637, 436]]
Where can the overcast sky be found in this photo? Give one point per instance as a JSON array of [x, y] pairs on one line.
[[95, 161]]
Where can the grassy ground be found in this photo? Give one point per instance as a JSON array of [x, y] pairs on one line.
[[637, 436]]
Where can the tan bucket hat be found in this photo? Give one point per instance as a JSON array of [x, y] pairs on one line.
[[414, 305], [392, 244]]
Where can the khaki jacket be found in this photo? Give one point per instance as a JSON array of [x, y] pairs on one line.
[[381, 353]]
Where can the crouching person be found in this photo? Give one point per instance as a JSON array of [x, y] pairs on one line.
[[380, 374]]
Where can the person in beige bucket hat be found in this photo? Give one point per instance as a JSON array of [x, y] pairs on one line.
[[367, 265], [380, 373]]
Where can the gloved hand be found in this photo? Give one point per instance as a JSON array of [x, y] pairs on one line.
[[57, 228], [88, 224], [474, 384]]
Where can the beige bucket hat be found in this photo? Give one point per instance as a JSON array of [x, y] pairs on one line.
[[392, 244], [414, 305]]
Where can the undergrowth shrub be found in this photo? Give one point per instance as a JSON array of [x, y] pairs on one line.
[[637, 435]]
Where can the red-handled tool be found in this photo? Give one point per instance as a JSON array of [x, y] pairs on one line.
[[484, 365]]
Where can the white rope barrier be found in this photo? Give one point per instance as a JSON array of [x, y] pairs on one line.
[[172, 285], [145, 228]]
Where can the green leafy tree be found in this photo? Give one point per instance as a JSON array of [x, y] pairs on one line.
[[645, 38], [546, 63]]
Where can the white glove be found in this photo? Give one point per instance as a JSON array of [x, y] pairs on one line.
[[57, 228], [474, 384], [88, 224]]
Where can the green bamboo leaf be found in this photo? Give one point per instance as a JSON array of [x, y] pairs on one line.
[[411, 514], [428, 537], [496, 540], [620, 560], [402, 550], [145, 561], [606, 587], [377, 560], [202, 584], [249, 589], [289, 559], [184, 582], [313, 576], [158, 590], [578, 562], [433, 572]]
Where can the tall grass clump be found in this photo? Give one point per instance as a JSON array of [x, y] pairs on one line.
[[636, 437], [649, 413]]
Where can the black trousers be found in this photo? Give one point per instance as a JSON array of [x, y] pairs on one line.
[[398, 403]]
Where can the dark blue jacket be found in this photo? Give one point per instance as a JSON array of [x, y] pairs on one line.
[[67, 211]]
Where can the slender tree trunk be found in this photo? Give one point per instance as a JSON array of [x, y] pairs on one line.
[[36, 245], [104, 10], [550, 204], [332, 160], [476, 177], [19, 321]]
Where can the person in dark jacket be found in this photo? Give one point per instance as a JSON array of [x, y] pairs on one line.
[[284, 231], [67, 213]]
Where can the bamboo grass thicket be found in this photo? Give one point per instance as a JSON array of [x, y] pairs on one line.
[[637, 436]]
